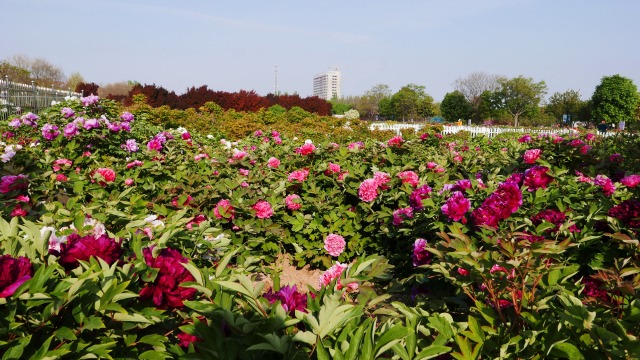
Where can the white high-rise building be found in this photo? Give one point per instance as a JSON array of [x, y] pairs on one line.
[[328, 85]]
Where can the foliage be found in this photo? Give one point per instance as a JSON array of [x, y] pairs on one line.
[[518, 96], [455, 106], [615, 99], [175, 253]]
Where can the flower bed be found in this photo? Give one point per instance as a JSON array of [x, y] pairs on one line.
[[124, 240]]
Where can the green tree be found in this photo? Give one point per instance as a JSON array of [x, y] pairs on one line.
[[411, 102], [615, 99], [74, 79], [566, 103], [14, 73], [473, 86], [369, 105], [297, 114], [519, 96], [339, 107], [455, 106]]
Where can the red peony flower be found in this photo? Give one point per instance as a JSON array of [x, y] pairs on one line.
[[456, 206], [82, 248], [165, 291], [537, 178], [13, 273]]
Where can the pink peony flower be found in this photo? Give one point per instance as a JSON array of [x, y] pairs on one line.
[[129, 181], [78, 248], [456, 206], [331, 274], [381, 179], [400, 214], [290, 299], [243, 172], [61, 177], [126, 116], [368, 190], [130, 145], [409, 177], [293, 202], [224, 210], [106, 174], [18, 211], [306, 149], [530, 156], [89, 100], [300, 175], [525, 139], [13, 273], [154, 145], [463, 271], [419, 194], [263, 209], [67, 112], [10, 183], [273, 163], [590, 136], [334, 244], [605, 184], [332, 169], [134, 163], [50, 132]]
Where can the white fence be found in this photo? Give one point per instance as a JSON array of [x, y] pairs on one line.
[[488, 131], [18, 98]]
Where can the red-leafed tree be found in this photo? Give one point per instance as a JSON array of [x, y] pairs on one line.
[[87, 88]]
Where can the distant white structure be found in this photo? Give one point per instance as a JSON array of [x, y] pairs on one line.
[[328, 85]]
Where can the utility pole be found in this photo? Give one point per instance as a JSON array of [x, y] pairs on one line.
[[276, 81]]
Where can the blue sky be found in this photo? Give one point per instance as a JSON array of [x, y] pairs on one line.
[[234, 45]]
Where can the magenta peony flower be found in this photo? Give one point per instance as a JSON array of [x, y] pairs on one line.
[[605, 184], [114, 127], [506, 200], [293, 202], [409, 177], [224, 210], [537, 178], [421, 256], [243, 172], [15, 123], [154, 145], [61, 177], [463, 271], [628, 212], [593, 288], [89, 100], [186, 136], [456, 206], [334, 244], [356, 145], [82, 248], [108, 175], [165, 291], [130, 145], [50, 132], [525, 139], [400, 214], [331, 274], [590, 136], [332, 169], [67, 112], [263, 209], [10, 183], [13, 273], [91, 124], [134, 163], [185, 339], [555, 217], [300, 175], [530, 156], [70, 130], [238, 155], [416, 197], [129, 181], [368, 190], [273, 163], [630, 181], [290, 299], [126, 116], [395, 141]]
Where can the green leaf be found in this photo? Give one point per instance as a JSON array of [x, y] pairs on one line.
[[566, 350], [432, 351], [16, 348], [389, 338]]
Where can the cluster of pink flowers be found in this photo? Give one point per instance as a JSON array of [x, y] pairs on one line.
[[201, 156], [28, 119], [50, 132], [503, 202], [537, 178], [421, 256], [435, 167], [299, 175], [555, 217], [334, 273], [400, 214], [13, 182], [530, 156], [605, 184], [456, 206], [158, 141], [293, 202], [60, 163], [395, 141], [307, 149], [89, 100], [409, 177], [224, 210], [263, 209], [593, 288], [105, 175], [334, 244], [630, 181], [238, 155], [273, 162]]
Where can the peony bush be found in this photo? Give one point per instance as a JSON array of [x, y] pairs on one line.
[[123, 239]]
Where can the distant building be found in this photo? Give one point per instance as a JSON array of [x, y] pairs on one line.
[[328, 85]]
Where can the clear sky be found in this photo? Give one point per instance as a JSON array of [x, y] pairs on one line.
[[234, 45]]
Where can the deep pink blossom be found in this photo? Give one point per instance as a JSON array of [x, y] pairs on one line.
[[13, 273], [77, 248], [368, 190], [456, 206], [332, 169], [293, 202], [628, 212], [263, 209], [381, 178], [630, 181], [13, 182], [530, 156], [421, 256], [290, 299], [307, 149], [334, 244], [70, 130], [107, 175], [299, 175], [395, 141], [419, 194], [400, 214], [331, 274], [166, 290], [89, 100], [409, 177], [525, 139], [129, 181], [463, 271], [130, 145], [605, 184], [67, 112], [273, 162], [134, 163], [537, 178], [126, 116], [224, 210], [91, 124], [50, 132]]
